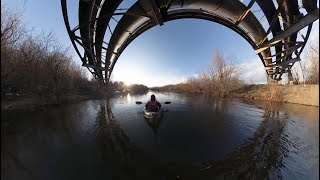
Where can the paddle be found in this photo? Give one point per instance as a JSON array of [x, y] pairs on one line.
[[139, 102], [167, 102]]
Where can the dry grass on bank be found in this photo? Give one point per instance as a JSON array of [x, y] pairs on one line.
[[261, 92]]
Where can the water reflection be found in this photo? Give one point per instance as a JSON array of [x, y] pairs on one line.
[[125, 160], [218, 104], [154, 123], [31, 146], [260, 155], [106, 139], [129, 98]]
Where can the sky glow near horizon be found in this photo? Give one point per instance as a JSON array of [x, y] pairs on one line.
[[167, 54]]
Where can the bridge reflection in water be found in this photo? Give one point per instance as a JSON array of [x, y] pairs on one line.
[[239, 140], [259, 155]]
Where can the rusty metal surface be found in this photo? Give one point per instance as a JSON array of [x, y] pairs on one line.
[[284, 18]]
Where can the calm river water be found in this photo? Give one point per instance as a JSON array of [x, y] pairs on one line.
[[195, 139]]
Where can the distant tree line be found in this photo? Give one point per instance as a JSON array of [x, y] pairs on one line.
[[181, 87], [219, 79], [137, 88], [122, 88]]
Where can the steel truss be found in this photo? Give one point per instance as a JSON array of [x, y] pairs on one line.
[[278, 45]]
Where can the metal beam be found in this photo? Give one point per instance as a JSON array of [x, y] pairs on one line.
[[272, 25], [181, 14], [286, 51], [305, 39], [226, 12], [303, 22], [67, 24], [95, 67], [88, 52], [148, 5], [244, 14], [156, 11], [278, 72], [283, 64], [89, 41]]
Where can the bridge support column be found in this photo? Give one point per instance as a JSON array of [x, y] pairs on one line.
[[271, 81], [290, 78]]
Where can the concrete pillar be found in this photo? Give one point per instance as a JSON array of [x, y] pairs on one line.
[[290, 78]]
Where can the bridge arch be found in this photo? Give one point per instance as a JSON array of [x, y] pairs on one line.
[[278, 46]]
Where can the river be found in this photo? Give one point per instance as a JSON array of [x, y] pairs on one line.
[[196, 138]]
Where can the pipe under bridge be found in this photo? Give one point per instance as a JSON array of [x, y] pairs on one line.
[[105, 28]]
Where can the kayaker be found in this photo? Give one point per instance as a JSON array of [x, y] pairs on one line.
[[153, 104]]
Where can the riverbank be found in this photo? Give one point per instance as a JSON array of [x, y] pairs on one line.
[[297, 94], [34, 102]]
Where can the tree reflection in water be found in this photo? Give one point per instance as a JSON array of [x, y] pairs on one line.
[[255, 159], [30, 139], [263, 152]]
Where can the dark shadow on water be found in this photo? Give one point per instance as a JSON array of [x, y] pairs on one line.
[[53, 145], [27, 139], [262, 153], [125, 160], [257, 157], [154, 124]]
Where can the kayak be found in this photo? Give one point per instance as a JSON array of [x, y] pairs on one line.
[[153, 115]]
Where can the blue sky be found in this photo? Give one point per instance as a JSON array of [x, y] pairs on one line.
[[163, 55]]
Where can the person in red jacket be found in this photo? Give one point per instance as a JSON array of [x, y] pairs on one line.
[[153, 104]]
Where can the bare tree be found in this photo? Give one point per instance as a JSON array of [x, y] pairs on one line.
[[219, 79], [11, 27], [312, 56], [223, 73], [11, 32], [295, 74], [307, 69], [35, 64]]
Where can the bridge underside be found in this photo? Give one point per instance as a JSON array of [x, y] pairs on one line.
[[278, 37]]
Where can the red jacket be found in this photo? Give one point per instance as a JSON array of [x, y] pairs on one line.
[[153, 104]]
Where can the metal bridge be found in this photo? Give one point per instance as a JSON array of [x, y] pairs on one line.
[[105, 28]]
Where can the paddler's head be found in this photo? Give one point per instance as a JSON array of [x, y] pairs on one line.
[[153, 97]]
